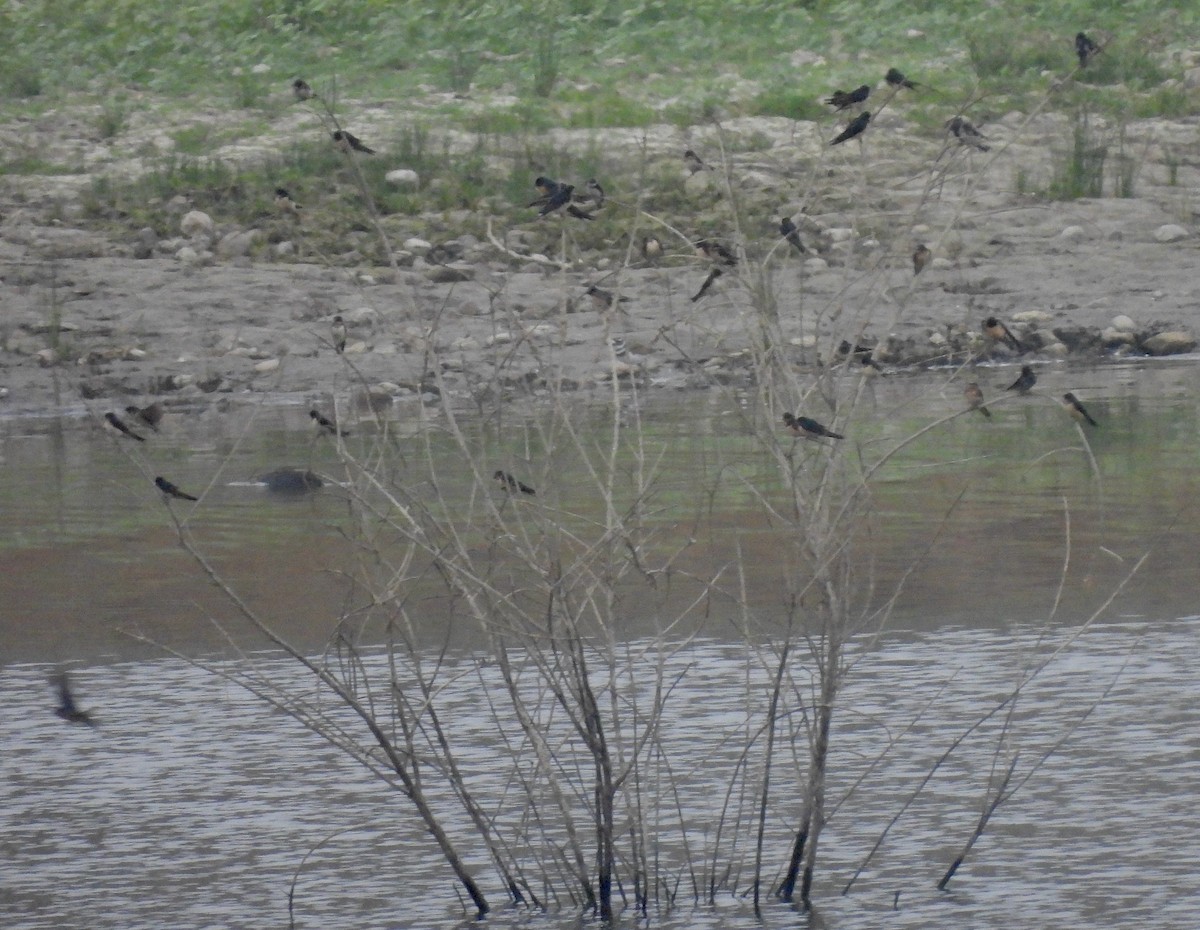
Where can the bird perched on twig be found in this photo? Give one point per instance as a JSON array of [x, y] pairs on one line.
[[1085, 48], [1072, 405], [714, 251], [965, 132], [921, 257], [302, 90], [511, 484], [807, 428], [896, 79], [857, 127], [67, 708], [348, 142], [844, 99], [1025, 381], [998, 332], [788, 230], [171, 490], [974, 397], [119, 425]]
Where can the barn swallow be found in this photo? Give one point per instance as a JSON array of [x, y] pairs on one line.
[[864, 354], [347, 141], [595, 192], [1085, 48], [921, 256], [896, 79], [150, 415], [511, 484], [302, 89], [172, 491], [546, 188], [694, 162], [327, 424], [574, 211], [808, 429], [67, 708], [965, 132], [561, 197], [974, 398], [714, 251], [712, 276], [284, 202], [604, 299], [1025, 381], [337, 329], [1000, 333], [1072, 405], [843, 99], [119, 425], [652, 248], [788, 230], [857, 126]]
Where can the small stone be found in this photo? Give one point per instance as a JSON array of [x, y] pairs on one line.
[[403, 177], [261, 68], [238, 243], [187, 255], [1123, 323], [1111, 337], [268, 365], [417, 246], [196, 223], [498, 339], [284, 249], [1031, 316], [1072, 234], [1170, 232], [1173, 342], [816, 265]]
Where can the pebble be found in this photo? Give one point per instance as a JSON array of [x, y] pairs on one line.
[[1173, 342], [196, 223], [1123, 323], [1073, 234], [1170, 232], [403, 177]]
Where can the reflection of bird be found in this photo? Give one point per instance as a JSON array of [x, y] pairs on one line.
[[896, 79], [1072, 405], [712, 276], [119, 425], [337, 329], [843, 99], [284, 202], [511, 484], [1025, 381], [651, 248], [974, 398], [997, 331], [150, 415], [857, 127], [694, 162], [788, 230], [302, 90], [171, 490], [327, 424], [921, 256], [714, 251], [67, 708], [347, 141], [965, 132], [808, 429], [1085, 48]]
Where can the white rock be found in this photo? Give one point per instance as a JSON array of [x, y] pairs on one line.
[[417, 246], [937, 339], [803, 58], [403, 177], [187, 255], [1123, 323], [840, 234], [815, 265], [284, 249], [465, 344], [238, 243], [941, 264], [1072, 234], [1170, 233], [196, 223], [1031, 316], [803, 342], [261, 68], [1170, 343], [269, 365], [498, 339]]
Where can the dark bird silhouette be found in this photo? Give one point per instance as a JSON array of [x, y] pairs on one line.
[[844, 99], [896, 79], [511, 484], [965, 132], [302, 89], [119, 425], [1025, 381], [788, 230], [714, 251], [546, 188], [921, 257], [337, 331], [998, 332], [604, 299], [172, 490], [1085, 48], [347, 142], [807, 428], [67, 708], [974, 398], [284, 202], [561, 197], [694, 162], [652, 248], [864, 354], [712, 276], [327, 424], [1072, 405], [857, 127], [150, 415]]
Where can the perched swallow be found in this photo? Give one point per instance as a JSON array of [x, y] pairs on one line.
[[560, 197], [997, 331], [302, 90], [150, 415], [119, 425], [921, 257], [714, 251], [844, 99], [694, 162], [1085, 48], [284, 202], [1025, 381], [546, 188], [857, 127], [896, 79], [604, 299], [327, 424], [337, 329], [974, 398], [808, 429], [67, 708], [347, 141], [652, 248], [712, 276], [574, 211], [864, 354], [788, 230], [595, 192], [965, 132], [511, 484], [1072, 405], [171, 490]]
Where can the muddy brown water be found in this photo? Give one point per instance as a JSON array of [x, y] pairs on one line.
[[193, 805]]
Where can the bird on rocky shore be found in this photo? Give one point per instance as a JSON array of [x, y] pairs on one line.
[[998, 332], [511, 484], [1025, 381], [965, 132], [171, 490], [807, 428], [788, 230], [920, 257], [857, 127], [150, 415], [284, 202], [120, 426], [67, 708], [1085, 48], [302, 90], [348, 142], [327, 424], [337, 331], [1072, 405], [708, 282], [974, 396], [843, 99], [694, 162], [896, 79]]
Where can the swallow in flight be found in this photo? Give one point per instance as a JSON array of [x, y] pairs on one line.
[[511, 484], [327, 424], [1025, 381], [1072, 405], [844, 99], [974, 398], [67, 708], [998, 332], [347, 142], [807, 428], [150, 415], [965, 132], [857, 127], [896, 79], [921, 256], [119, 425], [172, 491], [788, 230]]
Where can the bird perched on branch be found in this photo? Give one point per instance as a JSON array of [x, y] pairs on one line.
[[844, 99], [150, 415], [348, 142], [67, 708], [511, 484], [807, 428], [1025, 381], [857, 127], [714, 251], [896, 79], [921, 257], [120, 426], [1072, 405], [788, 230], [974, 398], [302, 90], [998, 332], [171, 490], [1085, 48], [965, 132]]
